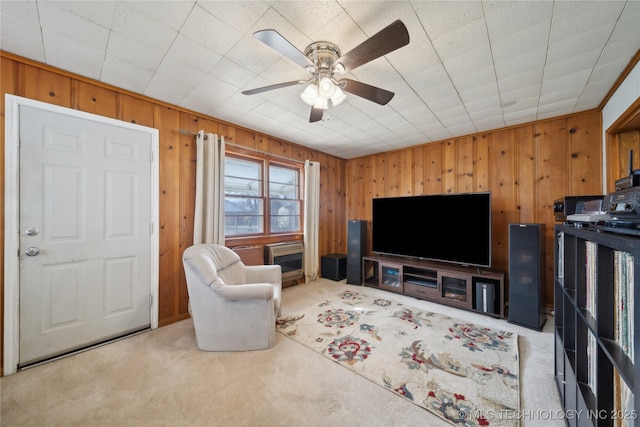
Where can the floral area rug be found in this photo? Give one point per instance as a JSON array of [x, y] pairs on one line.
[[464, 373]]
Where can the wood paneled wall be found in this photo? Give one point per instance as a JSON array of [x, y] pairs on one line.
[[525, 168], [177, 163]]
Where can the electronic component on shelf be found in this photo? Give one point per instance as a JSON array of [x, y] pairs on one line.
[[592, 218], [568, 205], [623, 207], [632, 179], [623, 204], [588, 212]]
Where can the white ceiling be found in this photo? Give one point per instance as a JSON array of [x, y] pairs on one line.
[[470, 66]]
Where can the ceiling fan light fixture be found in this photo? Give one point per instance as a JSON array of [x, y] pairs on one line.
[[310, 94], [326, 88], [322, 103], [338, 96]]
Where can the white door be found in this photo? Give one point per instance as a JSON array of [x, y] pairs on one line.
[[85, 233]]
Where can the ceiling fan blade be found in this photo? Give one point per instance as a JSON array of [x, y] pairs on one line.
[[386, 40], [366, 91], [274, 40], [316, 114], [272, 87]]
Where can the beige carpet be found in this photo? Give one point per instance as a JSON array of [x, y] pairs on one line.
[[160, 378]]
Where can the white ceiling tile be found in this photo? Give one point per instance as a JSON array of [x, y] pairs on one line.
[[444, 115], [131, 24], [459, 66], [192, 54], [443, 103], [570, 82], [307, 16], [229, 72], [492, 113], [532, 63], [70, 55], [527, 84], [23, 11], [583, 17], [506, 19], [522, 102], [423, 79], [22, 38], [171, 14], [446, 134], [209, 94], [98, 12], [240, 15], [521, 44], [490, 102], [555, 99], [204, 28], [591, 41], [489, 124], [134, 52], [163, 87], [475, 83], [428, 126], [126, 75], [463, 40], [521, 116], [576, 64], [254, 55], [442, 17], [72, 26], [284, 70], [464, 129], [487, 93], [590, 100]]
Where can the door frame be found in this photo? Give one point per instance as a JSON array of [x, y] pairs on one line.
[[11, 345]]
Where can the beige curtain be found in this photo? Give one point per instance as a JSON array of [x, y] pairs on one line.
[[208, 224], [311, 220]]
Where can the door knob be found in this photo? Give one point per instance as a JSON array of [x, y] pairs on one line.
[[32, 231], [32, 251]]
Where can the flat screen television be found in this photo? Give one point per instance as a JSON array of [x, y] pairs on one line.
[[454, 228]]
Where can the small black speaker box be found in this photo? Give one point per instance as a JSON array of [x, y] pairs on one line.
[[333, 266]]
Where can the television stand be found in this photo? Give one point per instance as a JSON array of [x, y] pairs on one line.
[[457, 286]]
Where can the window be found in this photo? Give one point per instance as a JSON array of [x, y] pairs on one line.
[[251, 185], [284, 199]]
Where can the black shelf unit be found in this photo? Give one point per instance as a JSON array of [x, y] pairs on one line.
[[592, 364]]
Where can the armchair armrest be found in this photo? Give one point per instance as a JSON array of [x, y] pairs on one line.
[[264, 274], [245, 292]]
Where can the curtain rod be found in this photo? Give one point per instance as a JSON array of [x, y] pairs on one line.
[[186, 132]]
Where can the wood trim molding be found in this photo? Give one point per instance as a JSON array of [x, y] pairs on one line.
[[629, 120], [632, 63]]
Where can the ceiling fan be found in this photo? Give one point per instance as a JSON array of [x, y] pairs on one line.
[[323, 60]]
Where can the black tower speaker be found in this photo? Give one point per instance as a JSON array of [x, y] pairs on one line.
[[356, 249], [527, 275]]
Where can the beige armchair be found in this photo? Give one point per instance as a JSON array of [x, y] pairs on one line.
[[234, 307]]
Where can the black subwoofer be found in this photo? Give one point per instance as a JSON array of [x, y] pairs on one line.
[[527, 275], [356, 249], [333, 266]]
